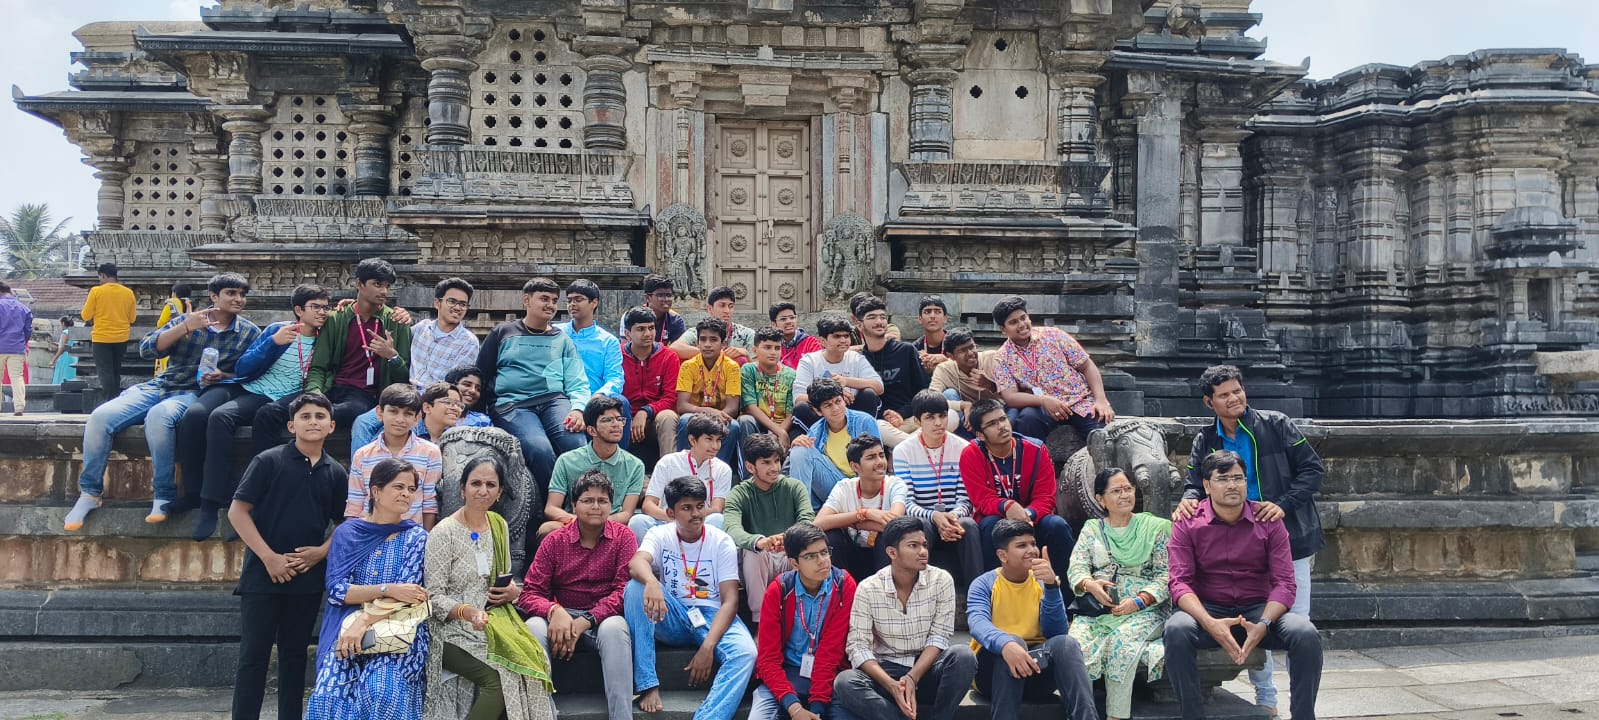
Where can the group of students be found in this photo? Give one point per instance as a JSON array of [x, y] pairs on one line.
[[773, 474]]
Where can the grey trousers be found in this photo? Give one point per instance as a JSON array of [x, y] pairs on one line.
[[938, 695], [615, 644], [1066, 673]]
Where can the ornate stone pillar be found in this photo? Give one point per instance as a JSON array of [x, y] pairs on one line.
[[244, 127], [1373, 176], [932, 113], [684, 88], [1076, 74], [1221, 177], [213, 183], [604, 95], [449, 110], [371, 129], [1159, 114], [851, 99], [111, 172]]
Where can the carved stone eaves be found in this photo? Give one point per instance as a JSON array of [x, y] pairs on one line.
[[853, 94], [223, 77]]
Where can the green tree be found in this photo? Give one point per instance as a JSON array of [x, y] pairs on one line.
[[33, 247]]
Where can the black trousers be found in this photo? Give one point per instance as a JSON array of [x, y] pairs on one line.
[[859, 562], [204, 454], [108, 367], [264, 621], [272, 421]]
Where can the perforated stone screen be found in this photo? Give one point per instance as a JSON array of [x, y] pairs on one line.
[[528, 91], [308, 148], [162, 191]]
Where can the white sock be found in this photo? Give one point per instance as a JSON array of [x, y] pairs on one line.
[[82, 508]]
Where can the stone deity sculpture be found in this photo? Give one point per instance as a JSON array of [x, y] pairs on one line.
[[680, 232], [847, 254]]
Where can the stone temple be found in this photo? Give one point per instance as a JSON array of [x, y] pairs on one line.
[[1392, 242]]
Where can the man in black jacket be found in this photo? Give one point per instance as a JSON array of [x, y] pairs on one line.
[[1284, 474], [897, 363]]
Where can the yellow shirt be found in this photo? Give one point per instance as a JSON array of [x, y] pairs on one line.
[[709, 388], [837, 444], [111, 308], [1014, 609]]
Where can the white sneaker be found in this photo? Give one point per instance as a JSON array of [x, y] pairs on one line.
[[158, 511], [86, 504]]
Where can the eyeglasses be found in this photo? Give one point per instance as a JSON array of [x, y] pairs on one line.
[[875, 316], [996, 423], [319, 308], [593, 501], [610, 420], [662, 296], [1123, 490], [814, 556], [1238, 479], [446, 402], [452, 302]]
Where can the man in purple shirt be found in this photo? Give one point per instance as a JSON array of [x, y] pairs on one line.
[[16, 326], [1232, 579]]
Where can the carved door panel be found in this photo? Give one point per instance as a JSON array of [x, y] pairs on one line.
[[761, 204]]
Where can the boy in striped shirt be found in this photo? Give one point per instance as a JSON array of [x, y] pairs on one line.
[[929, 463], [399, 406]]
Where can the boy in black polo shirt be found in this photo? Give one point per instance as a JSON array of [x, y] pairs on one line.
[[289, 498]]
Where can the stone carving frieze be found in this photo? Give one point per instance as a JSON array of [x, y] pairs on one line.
[[680, 236], [311, 220], [1031, 257], [590, 178], [943, 187], [148, 250], [848, 254], [593, 248]]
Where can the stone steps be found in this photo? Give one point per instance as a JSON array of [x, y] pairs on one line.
[[681, 706]]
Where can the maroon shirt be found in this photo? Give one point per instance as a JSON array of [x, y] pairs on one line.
[[564, 572], [1245, 563], [356, 360]]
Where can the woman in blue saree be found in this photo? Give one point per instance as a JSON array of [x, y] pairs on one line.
[[377, 556]]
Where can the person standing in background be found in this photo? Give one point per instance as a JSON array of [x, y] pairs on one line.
[[16, 326], [64, 364], [177, 304], [111, 310]]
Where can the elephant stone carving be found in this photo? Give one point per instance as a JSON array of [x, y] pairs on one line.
[[521, 503], [680, 235], [1136, 446]]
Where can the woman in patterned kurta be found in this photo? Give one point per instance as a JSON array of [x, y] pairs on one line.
[[1121, 561], [373, 557], [491, 649]]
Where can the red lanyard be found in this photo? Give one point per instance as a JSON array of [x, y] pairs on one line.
[[1009, 480], [710, 482], [771, 391], [821, 616], [1032, 366], [882, 496], [938, 468], [711, 390], [305, 365], [360, 328], [694, 574]]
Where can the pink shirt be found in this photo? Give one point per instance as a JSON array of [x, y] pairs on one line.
[[424, 456], [1049, 363]]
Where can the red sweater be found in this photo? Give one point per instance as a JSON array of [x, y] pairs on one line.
[[651, 383], [1034, 486], [779, 612]]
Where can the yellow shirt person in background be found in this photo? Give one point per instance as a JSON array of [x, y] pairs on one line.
[[111, 309], [177, 304]]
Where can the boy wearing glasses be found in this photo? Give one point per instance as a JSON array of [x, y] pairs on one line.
[[1011, 477], [1232, 580], [658, 297], [804, 621], [604, 422]]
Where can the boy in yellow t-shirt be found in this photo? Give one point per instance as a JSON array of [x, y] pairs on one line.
[[709, 384]]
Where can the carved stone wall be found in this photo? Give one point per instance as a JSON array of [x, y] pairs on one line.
[[527, 91], [306, 152], [163, 190]]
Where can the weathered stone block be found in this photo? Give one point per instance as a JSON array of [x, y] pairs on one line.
[[77, 561], [23, 479], [191, 562]]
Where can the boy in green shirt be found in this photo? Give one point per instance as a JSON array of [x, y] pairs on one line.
[[767, 387], [605, 423], [759, 511]]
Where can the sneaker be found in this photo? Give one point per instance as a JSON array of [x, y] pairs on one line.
[[86, 504], [158, 511]]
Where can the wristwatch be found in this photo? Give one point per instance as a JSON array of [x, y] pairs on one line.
[[383, 590]]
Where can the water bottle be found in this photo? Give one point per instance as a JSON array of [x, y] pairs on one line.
[[208, 361]]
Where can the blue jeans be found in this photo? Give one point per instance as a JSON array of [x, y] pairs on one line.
[[159, 411], [730, 443], [763, 706], [367, 428], [960, 418], [816, 471], [1265, 687], [735, 652], [542, 431]]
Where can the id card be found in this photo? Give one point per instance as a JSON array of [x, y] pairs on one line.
[[1036, 391], [696, 618], [371, 375], [482, 564], [807, 664]]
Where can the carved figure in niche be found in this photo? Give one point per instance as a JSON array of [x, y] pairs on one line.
[[847, 254], [680, 233]]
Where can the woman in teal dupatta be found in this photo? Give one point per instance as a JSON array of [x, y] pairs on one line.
[[1121, 561], [492, 649]]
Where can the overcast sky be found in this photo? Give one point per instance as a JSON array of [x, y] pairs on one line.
[[1335, 34]]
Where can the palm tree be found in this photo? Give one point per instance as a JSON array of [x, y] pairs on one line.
[[33, 247]]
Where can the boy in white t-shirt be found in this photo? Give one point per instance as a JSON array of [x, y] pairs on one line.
[[684, 593], [859, 507], [705, 436]]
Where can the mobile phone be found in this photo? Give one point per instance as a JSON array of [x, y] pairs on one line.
[[1040, 656], [369, 639], [504, 580]]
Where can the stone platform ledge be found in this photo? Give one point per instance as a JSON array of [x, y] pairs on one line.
[[111, 520], [1545, 512], [1504, 604], [120, 615], [53, 562]]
